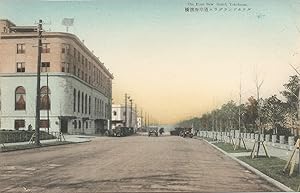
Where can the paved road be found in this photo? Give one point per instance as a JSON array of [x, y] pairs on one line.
[[136, 163]]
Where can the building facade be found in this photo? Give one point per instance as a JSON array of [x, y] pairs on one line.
[[119, 116], [139, 122], [76, 87]]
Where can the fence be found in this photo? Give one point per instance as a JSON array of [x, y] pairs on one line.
[[13, 136], [274, 140]]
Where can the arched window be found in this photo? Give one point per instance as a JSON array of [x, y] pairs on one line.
[[78, 104], [20, 98], [79, 124], [74, 100], [86, 125], [45, 98]]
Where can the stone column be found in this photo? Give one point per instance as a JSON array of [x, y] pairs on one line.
[[267, 138], [281, 139], [291, 141]]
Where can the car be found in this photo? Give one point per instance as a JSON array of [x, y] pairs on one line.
[[187, 132], [153, 131]]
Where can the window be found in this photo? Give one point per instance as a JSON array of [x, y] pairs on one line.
[[74, 100], [75, 124], [86, 125], [90, 105], [20, 66], [20, 48], [45, 98], [19, 123], [115, 113], [45, 48], [65, 67], [20, 98], [79, 124], [44, 123], [65, 49], [95, 110], [78, 104], [82, 103], [85, 104], [45, 67]]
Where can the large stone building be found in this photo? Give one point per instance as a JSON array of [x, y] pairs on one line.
[[79, 92]]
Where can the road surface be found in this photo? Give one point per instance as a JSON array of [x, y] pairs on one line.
[[131, 164]]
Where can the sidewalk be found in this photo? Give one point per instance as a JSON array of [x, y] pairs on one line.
[[282, 151], [69, 138], [272, 149]]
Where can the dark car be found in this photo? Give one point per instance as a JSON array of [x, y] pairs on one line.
[[153, 131], [187, 133]]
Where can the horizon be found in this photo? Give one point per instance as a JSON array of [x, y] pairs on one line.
[[166, 59]]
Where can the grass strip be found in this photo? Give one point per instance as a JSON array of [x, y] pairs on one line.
[[273, 167], [228, 147]]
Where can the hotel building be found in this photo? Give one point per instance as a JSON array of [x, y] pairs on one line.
[[79, 92]]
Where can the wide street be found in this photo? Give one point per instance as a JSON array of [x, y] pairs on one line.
[[135, 163]]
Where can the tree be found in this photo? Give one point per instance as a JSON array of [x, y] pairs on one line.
[[251, 114], [291, 93], [273, 113]]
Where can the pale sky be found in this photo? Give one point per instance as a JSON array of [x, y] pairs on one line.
[[174, 64]]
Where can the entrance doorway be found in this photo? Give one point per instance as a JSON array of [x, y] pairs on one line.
[[64, 125]]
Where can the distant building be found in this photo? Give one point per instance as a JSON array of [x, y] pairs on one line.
[[79, 91], [139, 122], [119, 116]]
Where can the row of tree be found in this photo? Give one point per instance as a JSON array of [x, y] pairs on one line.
[[272, 115]]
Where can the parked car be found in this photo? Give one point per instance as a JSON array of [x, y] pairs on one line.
[[153, 131], [187, 132]]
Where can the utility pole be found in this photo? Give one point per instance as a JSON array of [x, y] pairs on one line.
[[125, 124], [145, 122], [38, 85], [135, 117], [141, 117], [130, 123], [48, 105]]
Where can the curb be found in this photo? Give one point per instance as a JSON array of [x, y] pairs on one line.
[[254, 170], [3, 150]]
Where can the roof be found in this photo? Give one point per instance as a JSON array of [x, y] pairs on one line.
[[73, 37]]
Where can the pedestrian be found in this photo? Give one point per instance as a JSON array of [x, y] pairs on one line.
[[29, 127]]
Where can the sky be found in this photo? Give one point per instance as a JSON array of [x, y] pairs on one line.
[[176, 64]]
